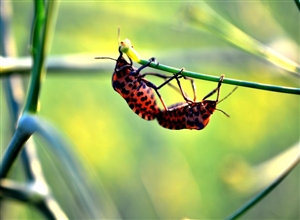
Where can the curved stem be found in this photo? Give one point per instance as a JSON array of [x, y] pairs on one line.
[[15, 146], [265, 192], [28, 193], [204, 17], [254, 85], [41, 37]]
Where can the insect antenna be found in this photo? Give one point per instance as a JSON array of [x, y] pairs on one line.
[[106, 58], [227, 95], [119, 35], [224, 99], [223, 112]]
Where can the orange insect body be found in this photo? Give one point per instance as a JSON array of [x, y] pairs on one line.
[[139, 95], [127, 81], [191, 114], [194, 115]]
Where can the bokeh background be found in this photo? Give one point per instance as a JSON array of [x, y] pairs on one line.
[[141, 170]]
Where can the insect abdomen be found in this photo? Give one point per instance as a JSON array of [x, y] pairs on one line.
[[184, 116], [174, 118]]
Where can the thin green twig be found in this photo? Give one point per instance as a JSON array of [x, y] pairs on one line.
[[254, 85], [46, 204], [265, 192], [126, 47], [15, 146], [29, 192], [38, 54], [202, 16], [41, 36]]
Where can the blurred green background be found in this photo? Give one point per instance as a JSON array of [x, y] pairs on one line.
[[142, 170]]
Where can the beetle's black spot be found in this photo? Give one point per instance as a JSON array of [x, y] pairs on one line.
[[205, 116], [190, 123], [128, 79], [117, 85], [138, 105], [144, 98], [148, 103], [125, 92], [152, 107], [197, 113], [127, 99], [139, 94], [203, 111]]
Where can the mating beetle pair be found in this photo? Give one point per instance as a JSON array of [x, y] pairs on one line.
[[139, 95]]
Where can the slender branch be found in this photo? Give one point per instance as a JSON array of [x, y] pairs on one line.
[[15, 146], [68, 64], [254, 85], [38, 43], [126, 47], [202, 16], [32, 194], [11, 189], [31, 191], [41, 37], [264, 192]]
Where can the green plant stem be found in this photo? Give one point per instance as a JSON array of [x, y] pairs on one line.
[[38, 43], [15, 146], [40, 40], [29, 194], [254, 85], [265, 192], [205, 17]]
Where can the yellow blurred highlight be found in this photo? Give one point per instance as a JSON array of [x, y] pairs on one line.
[[242, 177], [171, 178]]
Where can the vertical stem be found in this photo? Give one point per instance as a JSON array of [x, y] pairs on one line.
[[38, 55]]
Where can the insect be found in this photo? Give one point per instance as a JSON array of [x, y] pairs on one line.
[[135, 89], [191, 114]]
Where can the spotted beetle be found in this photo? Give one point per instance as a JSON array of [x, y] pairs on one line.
[[191, 114], [135, 89]]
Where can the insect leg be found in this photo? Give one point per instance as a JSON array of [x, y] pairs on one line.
[[175, 76], [171, 78], [151, 85], [186, 98], [151, 60], [216, 89], [161, 76]]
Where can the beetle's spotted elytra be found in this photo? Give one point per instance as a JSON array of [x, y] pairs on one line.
[[134, 89], [191, 114], [137, 91]]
